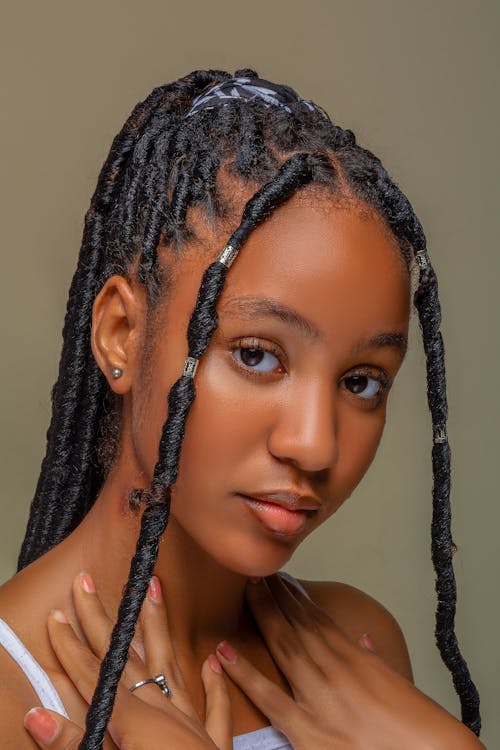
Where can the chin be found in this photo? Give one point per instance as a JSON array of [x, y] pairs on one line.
[[260, 560]]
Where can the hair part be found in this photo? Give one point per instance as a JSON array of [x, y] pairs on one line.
[[162, 166]]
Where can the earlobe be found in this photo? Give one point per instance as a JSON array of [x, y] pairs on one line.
[[117, 317]]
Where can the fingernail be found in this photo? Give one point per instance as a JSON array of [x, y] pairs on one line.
[[41, 725], [59, 616], [255, 579], [154, 590], [87, 583], [214, 664], [227, 651], [367, 642]]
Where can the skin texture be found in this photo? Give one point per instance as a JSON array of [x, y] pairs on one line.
[[298, 426], [344, 696]]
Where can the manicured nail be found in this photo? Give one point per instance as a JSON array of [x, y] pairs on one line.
[[59, 616], [154, 590], [227, 651], [87, 583], [367, 642], [255, 579], [41, 725], [214, 664]]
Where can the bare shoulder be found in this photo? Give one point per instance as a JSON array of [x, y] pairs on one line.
[[356, 612], [16, 698]]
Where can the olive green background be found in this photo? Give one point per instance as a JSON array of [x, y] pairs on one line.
[[416, 82]]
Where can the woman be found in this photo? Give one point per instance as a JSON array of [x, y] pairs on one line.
[[293, 357]]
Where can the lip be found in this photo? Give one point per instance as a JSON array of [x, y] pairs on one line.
[[284, 513]]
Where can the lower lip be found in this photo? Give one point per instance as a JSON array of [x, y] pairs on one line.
[[276, 518]]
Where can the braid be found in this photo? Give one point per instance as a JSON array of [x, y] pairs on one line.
[[295, 172], [63, 496], [427, 303], [378, 190], [164, 162]]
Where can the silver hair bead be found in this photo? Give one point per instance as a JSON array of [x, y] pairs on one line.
[[116, 373], [227, 255], [190, 366], [440, 434], [422, 259]]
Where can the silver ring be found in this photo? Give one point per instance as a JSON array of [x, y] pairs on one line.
[[159, 680]]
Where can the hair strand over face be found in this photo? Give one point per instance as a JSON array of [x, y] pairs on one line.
[[160, 165]]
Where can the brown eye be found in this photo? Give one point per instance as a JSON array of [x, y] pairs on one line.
[[258, 359], [364, 385], [251, 357]]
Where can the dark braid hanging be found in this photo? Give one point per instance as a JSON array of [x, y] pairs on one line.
[[164, 161], [429, 310], [295, 172]]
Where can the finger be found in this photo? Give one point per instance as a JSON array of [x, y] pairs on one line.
[[83, 667], [51, 730], [218, 718], [283, 641], [75, 657], [335, 636], [92, 618], [272, 701], [158, 649], [94, 622], [97, 627], [302, 620], [366, 642]]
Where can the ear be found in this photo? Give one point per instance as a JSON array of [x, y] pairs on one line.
[[117, 320]]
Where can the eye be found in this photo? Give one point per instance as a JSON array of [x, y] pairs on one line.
[[255, 356], [366, 385]]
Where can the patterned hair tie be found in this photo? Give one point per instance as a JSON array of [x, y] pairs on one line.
[[247, 89]]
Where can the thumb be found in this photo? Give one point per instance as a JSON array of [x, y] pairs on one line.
[[218, 718], [51, 730]]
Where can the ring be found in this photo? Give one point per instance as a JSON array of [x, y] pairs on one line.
[[159, 680]]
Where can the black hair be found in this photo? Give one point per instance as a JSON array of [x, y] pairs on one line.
[[162, 163]]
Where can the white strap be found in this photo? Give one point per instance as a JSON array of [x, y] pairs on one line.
[[267, 738], [38, 678]]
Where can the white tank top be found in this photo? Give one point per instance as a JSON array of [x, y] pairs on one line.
[[267, 738]]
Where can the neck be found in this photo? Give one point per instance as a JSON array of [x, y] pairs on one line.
[[205, 601]]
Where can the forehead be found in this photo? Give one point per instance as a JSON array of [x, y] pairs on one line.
[[330, 262]]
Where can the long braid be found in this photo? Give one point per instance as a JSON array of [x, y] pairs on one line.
[[294, 173], [378, 189], [63, 495], [427, 303], [160, 165]]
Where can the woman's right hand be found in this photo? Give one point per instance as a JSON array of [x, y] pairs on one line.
[[145, 719]]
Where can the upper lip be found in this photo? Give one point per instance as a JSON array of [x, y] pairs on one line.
[[290, 500]]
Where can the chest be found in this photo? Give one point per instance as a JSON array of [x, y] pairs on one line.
[[246, 717]]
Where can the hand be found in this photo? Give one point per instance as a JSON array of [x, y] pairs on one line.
[[345, 696], [145, 719]]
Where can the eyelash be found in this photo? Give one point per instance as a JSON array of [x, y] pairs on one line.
[[256, 345]]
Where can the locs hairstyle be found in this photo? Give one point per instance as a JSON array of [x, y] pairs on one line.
[[165, 160]]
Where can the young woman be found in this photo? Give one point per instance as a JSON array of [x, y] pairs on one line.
[[291, 358]]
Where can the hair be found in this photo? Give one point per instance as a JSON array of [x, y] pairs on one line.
[[164, 161]]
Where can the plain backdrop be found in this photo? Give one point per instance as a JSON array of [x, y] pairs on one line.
[[417, 83]]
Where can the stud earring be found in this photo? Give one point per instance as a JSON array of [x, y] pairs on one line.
[[116, 373]]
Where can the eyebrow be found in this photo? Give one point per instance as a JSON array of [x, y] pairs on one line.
[[250, 307]]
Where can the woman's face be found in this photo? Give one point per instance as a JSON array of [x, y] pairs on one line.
[[291, 394]]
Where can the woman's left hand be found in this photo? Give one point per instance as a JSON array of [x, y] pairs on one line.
[[345, 696]]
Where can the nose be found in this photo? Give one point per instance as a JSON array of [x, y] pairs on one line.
[[305, 431]]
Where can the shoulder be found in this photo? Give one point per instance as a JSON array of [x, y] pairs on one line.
[[16, 698], [356, 613]]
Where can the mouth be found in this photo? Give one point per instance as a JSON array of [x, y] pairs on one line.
[[277, 518]]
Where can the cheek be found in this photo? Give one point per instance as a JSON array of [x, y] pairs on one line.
[[359, 437], [224, 429]]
